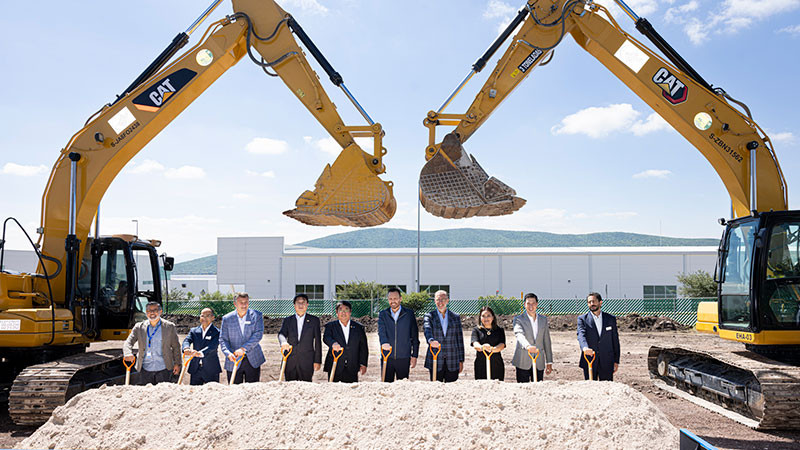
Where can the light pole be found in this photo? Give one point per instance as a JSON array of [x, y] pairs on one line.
[[137, 227], [419, 207]]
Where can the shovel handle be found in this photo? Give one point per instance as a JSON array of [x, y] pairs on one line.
[[335, 356], [286, 353], [591, 375], [436, 353], [186, 362], [385, 356], [128, 367]]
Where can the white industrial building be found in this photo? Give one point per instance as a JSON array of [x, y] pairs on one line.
[[267, 269]]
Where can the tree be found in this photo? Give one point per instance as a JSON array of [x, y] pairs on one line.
[[361, 290], [697, 284], [416, 301]]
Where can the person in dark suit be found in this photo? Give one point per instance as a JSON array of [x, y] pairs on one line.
[[443, 330], [240, 337], [201, 343], [301, 331], [598, 336], [350, 336], [398, 332]]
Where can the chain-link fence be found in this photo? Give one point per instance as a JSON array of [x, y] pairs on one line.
[[682, 310]]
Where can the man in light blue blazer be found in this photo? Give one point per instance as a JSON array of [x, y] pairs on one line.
[[241, 334]]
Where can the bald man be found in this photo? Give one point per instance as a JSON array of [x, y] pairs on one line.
[[202, 343]]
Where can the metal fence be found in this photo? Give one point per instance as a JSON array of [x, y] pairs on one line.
[[682, 310]]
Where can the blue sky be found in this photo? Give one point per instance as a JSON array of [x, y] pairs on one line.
[[572, 139]]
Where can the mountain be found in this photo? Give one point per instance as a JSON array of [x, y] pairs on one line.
[[465, 237], [206, 265], [472, 237]]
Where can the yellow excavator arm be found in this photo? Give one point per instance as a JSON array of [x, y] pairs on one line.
[[349, 192], [453, 184]]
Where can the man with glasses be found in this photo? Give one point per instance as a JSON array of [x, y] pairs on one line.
[[159, 354], [301, 332], [204, 366], [442, 329]]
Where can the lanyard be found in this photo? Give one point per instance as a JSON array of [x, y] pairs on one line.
[[150, 336]]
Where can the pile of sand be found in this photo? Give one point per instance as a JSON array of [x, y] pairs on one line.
[[466, 414]]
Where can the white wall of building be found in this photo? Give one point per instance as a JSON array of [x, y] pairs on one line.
[[267, 270]]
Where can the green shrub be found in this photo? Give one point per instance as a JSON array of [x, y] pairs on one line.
[[416, 301]]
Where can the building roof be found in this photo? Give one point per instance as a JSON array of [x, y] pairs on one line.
[[310, 251]]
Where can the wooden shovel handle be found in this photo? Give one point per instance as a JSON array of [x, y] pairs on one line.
[[385, 356], [335, 356], [286, 353], [436, 353], [128, 366]]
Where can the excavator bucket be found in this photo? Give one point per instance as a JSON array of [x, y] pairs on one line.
[[347, 193], [453, 185]]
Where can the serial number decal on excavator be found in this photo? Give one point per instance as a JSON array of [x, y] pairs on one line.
[[125, 133], [744, 336], [161, 91], [528, 62], [674, 90], [721, 144]]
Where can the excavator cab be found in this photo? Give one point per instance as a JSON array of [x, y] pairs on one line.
[[759, 282]]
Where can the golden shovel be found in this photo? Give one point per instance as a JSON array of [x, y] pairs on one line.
[[128, 370], [283, 363], [591, 375], [533, 365], [385, 357], [235, 368], [335, 361], [185, 367], [435, 356]]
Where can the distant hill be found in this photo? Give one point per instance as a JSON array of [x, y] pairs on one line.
[[206, 265], [465, 237], [473, 237]]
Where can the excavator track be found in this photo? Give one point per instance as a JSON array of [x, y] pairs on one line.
[[41, 388], [755, 390]]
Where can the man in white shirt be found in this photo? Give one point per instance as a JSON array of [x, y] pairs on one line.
[[201, 343], [301, 332], [533, 337], [350, 338]]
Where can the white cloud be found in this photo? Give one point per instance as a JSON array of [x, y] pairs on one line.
[[185, 173], [307, 139], [496, 8], [267, 146], [599, 122], [146, 166], [23, 170], [697, 31], [640, 7], [311, 6], [329, 146], [267, 174], [793, 30], [241, 195], [784, 137], [675, 15], [653, 173], [733, 16]]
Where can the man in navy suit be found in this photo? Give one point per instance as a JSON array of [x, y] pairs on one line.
[[398, 333], [598, 336], [301, 331], [204, 367], [350, 336], [443, 330], [240, 337]]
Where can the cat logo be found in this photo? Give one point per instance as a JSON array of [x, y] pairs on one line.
[[672, 89], [161, 91]]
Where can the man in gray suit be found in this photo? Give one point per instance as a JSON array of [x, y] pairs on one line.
[[159, 355], [533, 335]]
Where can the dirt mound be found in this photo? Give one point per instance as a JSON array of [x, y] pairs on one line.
[[406, 414]]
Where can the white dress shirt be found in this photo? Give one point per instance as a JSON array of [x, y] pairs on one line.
[[242, 321], [346, 331], [205, 330], [598, 322], [535, 325], [300, 321]]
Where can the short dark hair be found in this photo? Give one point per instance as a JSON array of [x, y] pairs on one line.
[[394, 289], [596, 295], [494, 316], [532, 295], [156, 304], [344, 303], [241, 295], [294, 300]]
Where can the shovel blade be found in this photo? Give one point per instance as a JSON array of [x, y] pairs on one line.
[[453, 185], [347, 193]]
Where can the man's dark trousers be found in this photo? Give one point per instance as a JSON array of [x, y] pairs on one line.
[[444, 375], [159, 376], [526, 376], [396, 368]]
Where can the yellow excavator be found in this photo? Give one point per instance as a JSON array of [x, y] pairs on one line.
[[758, 270], [89, 289]]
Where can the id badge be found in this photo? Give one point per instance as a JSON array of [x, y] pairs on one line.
[[149, 354]]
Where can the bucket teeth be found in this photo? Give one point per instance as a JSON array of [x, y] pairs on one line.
[[346, 193], [454, 186]]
